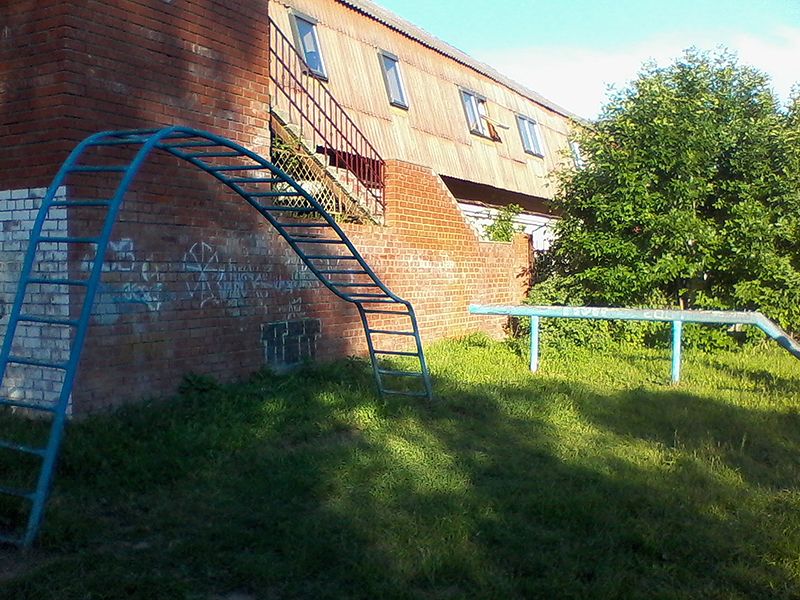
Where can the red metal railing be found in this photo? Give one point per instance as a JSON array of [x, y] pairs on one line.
[[323, 121]]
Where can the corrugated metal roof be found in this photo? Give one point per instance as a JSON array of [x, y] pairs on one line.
[[408, 29]]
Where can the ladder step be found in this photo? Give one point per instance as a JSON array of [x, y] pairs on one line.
[[190, 145], [403, 393], [254, 180], [37, 363], [68, 240], [98, 169], [273, 194], [396, 352], [22, 448], [375, 311], [400, 373], [359, 296], [309, 225], [57, 281], [235, 168], [302, 240], [342, 271], [27, 405], [331, 256], [386, 300], [345, 284], [213, 154], [47, 320], [122, 141], [296, 209], [17, 492], [80, 203], [8, 539], [387, 332]]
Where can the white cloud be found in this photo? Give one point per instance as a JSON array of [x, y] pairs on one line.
[[577, 78]]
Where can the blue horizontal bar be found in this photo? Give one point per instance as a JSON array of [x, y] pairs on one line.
[[13, 540], [98, 169], [27, 405], [17, 492], [36, 363], [68, 240], [80, 203], [47, 320], [400, 373], [624, 314], [402, 393], [44, 281], [309, 225], [720, 317], [300, 240], [396, 352], [273, 194], [22, 448]]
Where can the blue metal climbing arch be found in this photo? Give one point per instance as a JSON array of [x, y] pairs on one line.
[[297, 216]]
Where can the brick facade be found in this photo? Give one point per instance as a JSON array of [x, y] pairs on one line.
[[195, 280]]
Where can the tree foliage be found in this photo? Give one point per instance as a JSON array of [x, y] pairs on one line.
[[690, 193]]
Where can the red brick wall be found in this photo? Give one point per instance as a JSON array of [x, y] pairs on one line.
[[194, 278], [72, 67]]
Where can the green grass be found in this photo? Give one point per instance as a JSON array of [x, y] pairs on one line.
[[593, 479]]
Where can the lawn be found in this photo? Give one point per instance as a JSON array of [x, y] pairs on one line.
[[593, 479]]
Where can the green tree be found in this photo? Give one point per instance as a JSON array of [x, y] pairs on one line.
[[691, 193]]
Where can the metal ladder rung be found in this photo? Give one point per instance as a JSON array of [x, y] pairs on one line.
[[121, 141], [7, 539], [26, 405], [254, 180], [296, 209], [330, 256], [68, 240], [300, 240], [345, 284], [22, 448], [235, 168], [98, 169], [400, 373], [213, 154], [396, 352], [37, 363], [371, 300], [17, 492], [375, 311], [402, 393], [309, 225], [360, 296], [273, 194], [190, 145], [342, 271], [47, 320], [388, 332], [44, 281], [80, 203]]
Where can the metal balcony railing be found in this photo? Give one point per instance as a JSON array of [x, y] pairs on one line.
[[324, 124]]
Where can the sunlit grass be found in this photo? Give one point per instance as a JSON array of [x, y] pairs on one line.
[[593, 478]]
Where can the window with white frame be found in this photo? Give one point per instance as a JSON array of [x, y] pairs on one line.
[[577, 156], [531, 137], [478, 116], [305, 30], [390, 67]]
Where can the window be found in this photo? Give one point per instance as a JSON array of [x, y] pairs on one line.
[[305, 31], [577, 157], [531, 138], [477, 116], [391, 77]]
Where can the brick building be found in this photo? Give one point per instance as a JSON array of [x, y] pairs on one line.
[[194, 280]]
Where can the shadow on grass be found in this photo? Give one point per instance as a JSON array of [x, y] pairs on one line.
[[307, 486]]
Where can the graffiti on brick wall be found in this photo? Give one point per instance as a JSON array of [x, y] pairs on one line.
[[289, 343], [213, 279], [144, 287]]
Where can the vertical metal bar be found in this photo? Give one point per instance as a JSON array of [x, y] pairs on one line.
[[677, 329], [534, 344]]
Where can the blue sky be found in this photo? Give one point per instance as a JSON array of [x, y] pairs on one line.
[[571, 50]]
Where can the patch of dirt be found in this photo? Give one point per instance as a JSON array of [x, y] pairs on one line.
[[16, 563]]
